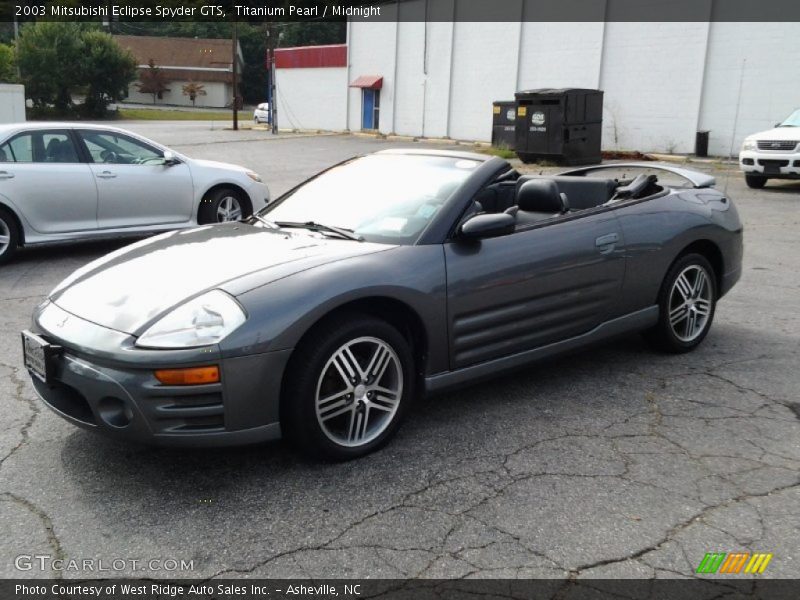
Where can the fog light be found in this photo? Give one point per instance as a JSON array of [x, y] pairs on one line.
[[191, 376], [747, 161], [114, 412]]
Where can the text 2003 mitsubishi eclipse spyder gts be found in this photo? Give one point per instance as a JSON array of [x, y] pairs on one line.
[[326, 313]]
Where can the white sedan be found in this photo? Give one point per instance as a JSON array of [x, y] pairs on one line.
[[71, 181], [261, 113]]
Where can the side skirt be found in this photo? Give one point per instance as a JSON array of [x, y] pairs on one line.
[[636, 321]]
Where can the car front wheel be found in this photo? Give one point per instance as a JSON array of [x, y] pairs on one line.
[[687, 301], [9, 236], [349, 386], [755, 181], [222, 206]]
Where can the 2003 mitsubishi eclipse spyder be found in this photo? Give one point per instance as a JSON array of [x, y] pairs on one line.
[[385, 276]]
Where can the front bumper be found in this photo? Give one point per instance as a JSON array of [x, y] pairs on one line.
[[778, 165], [120, 397]]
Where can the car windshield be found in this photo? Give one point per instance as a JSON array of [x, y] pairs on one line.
[[793, 120], [384, 198]]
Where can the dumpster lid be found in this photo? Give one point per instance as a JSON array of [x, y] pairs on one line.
[[370, 82], [553, 91]]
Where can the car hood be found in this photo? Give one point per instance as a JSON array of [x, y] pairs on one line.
[[213, 164], [779, 133], [131, 287]]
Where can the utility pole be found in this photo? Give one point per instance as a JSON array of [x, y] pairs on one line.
[[274, 94], [235, 75], [272, 44], [16, 44]]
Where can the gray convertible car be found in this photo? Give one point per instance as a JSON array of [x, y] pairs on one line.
[[385, 277]]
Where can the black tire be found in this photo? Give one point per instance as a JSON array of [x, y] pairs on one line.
[[311, 368], [210, 205], [664, 336], [8, 229], [755, 181]]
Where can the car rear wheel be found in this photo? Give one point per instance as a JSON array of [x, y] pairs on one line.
[[348, 388], [687, 302], [755, 181], [9, 236], [222, 206]]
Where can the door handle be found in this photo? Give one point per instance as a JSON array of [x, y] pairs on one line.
[[607, 242], [106, 175], [6, 175]]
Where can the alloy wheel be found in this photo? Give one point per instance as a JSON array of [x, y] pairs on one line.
[[690, 303], [229, 209], [5, 236], [359, 392]]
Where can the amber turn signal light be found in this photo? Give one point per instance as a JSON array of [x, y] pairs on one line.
[[192, 376]]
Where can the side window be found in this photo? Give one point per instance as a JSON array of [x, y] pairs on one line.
[[110, 147], [20, 149], [58, 148], [40, 146]]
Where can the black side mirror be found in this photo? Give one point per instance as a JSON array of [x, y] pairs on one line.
[[490, 225]]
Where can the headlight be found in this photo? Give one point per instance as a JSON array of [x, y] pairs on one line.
[[749, 145], [206, 320], [254, 176]]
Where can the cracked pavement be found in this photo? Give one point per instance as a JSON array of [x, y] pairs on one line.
[[615, 462]]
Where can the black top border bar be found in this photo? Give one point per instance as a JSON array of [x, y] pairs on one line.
[[476, 11]]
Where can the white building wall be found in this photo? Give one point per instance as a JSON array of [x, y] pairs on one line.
[[484, 70], [662, 81], [372, 52], [438, 80], [12, 103], [312, 98], [411, 79], [765, 59], [652, 76], [557, 55], [218, 95]]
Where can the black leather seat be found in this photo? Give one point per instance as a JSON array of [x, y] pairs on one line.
[[583, 192], [539, 199]]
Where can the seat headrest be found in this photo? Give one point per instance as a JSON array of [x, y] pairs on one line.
[[541, 195]]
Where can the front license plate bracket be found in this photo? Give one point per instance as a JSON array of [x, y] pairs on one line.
[[38, 355]]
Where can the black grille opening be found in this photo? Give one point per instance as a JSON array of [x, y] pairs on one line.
[[67, 400]]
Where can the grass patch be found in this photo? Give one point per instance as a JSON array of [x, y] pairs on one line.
[[501, 151], [153, 114]]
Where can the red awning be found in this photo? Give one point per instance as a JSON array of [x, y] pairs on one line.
[[370, 82]]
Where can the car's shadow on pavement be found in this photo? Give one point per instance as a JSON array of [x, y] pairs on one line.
[[782, 187], [82, 251], [582, 392]]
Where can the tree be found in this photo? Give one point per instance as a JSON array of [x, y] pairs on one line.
[[49, 55], [59, 59], [8, 66], [153, 80], [193, 90], [108, 69]]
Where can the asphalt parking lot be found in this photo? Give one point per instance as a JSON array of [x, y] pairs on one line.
[[614, 462]]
